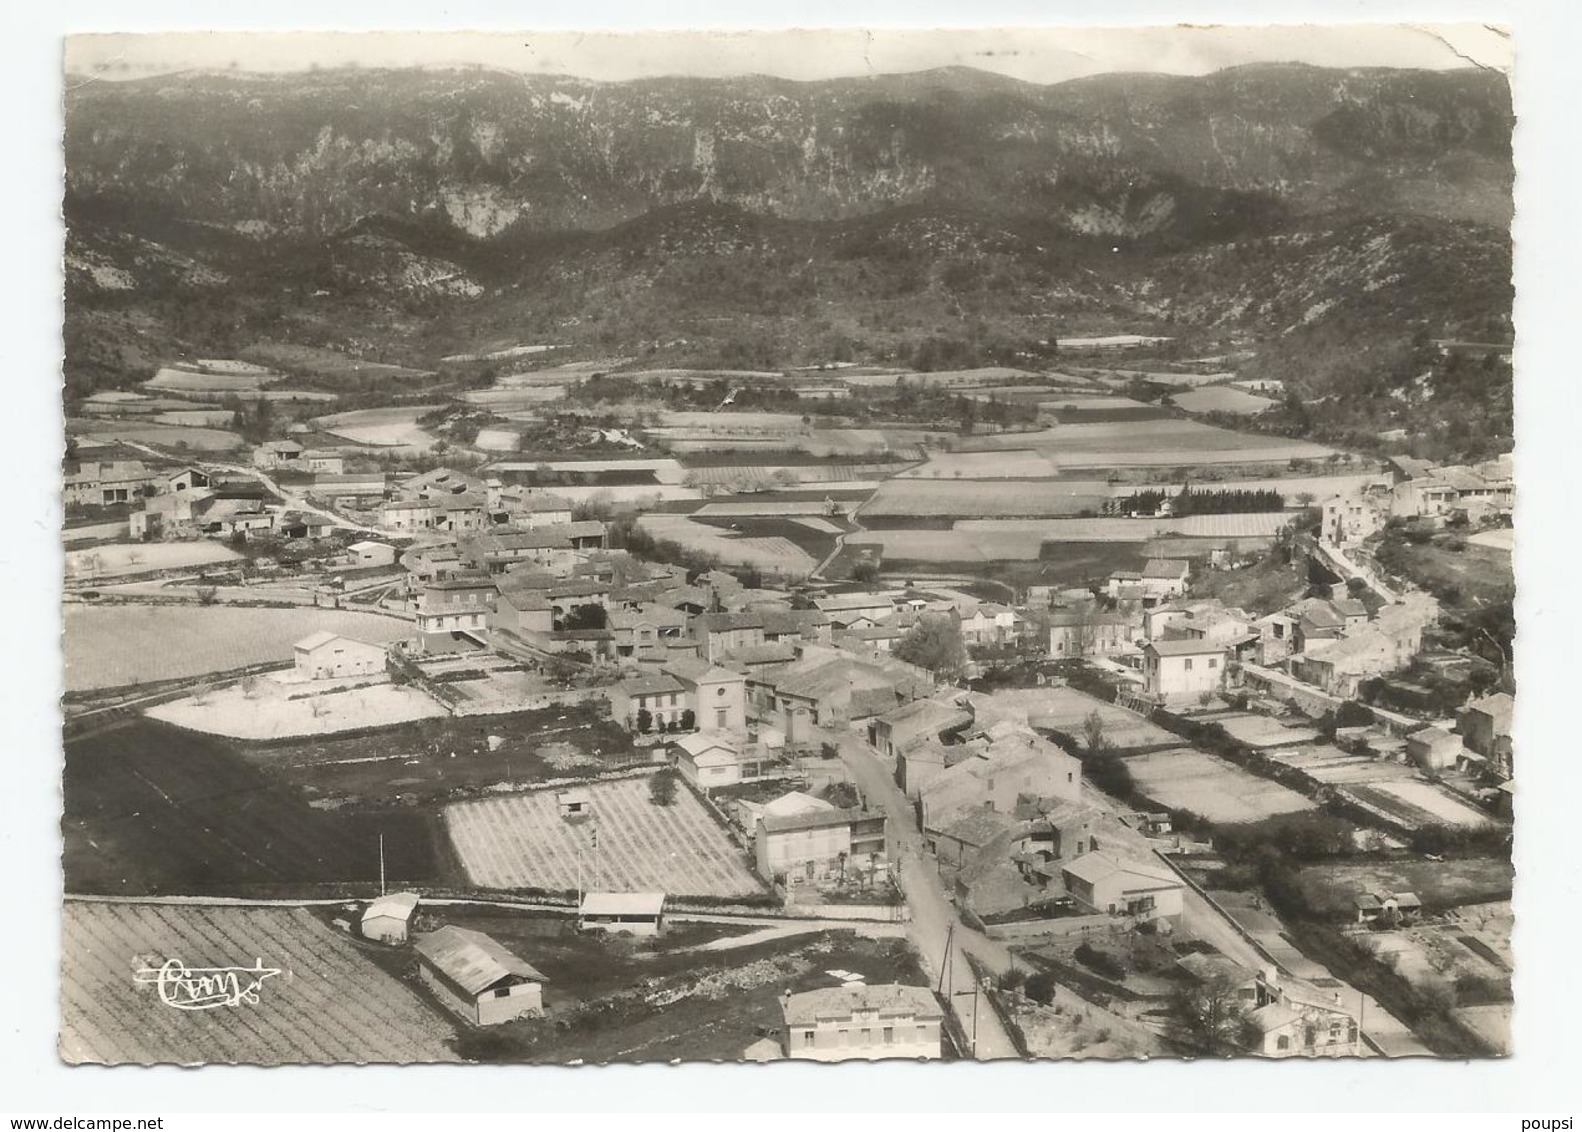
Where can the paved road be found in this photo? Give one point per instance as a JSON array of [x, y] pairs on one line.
[[934, 919]]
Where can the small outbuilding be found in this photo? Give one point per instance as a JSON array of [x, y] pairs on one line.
[[477, 978], [366, 554], [389, 918], [637, 913], [328, 656]]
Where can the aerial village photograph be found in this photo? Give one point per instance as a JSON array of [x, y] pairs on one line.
[[667, 548]]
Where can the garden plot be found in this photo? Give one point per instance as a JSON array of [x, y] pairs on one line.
[[1220, 791], [1334, 767], [1419, 803], [382, 428], [1261, 731], [1220, 399], [111, 646], [269, 709], [1454, 883], [521, 841], [120, 559], [777, 554]]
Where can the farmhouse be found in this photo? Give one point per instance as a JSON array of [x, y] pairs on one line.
[[350, 489], [1381, 646], [913, 724], [529, 508], [477, 978], [187, 479], [862, 1023], [1297, 1019], [1105, 883], [408, 515], [1089, 632], [916, 767], [327, 656], [169, 516], [1349, 519], [1178, 671], [453, 612], [819, 844], [1485, 728], [102, 483], [719, 634], [388, 919], [846, 611], [997, 777], [641, 634], [1387, 908], [322, 460], [829, 690], [1165, 577], [635, 913], [276, 455]]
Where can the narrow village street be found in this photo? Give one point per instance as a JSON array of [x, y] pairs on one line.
[[934, 920]]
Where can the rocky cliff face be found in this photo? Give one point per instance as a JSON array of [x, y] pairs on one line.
[[1127, 156]]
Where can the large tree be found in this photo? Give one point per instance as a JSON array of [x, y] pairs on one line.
[[1209, 1018], [935, 643]]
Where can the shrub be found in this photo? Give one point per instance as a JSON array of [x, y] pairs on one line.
[[1040, 987], [662, 787], [1101, 962]]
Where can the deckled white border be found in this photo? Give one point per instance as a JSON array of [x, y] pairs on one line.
[[1539, 1081]]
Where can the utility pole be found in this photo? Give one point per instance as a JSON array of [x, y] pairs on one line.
[[945, 963], [381, 864]]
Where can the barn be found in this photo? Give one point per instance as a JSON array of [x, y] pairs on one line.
[[477, 978]]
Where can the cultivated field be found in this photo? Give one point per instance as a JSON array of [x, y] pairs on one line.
[[317, 361], [180, 380], [777, 554], [117, 559], [160, 435], [1156, 443], [1319, 487], [202, 418], [154, 810], [110, 646], [382, 428], [1010, 464], [329, 1003], [847, 475], [975, 540], [1419, 803], [1501, 538], [979, 498], [1220, 791], [1220, 399], [521, 841]]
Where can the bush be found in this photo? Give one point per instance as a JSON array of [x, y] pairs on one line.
[[662, 787], [1100, 962], [1040, 987]]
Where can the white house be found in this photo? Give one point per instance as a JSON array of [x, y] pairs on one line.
[[365, 554], [858, 1022], [389, 918], [327, 656], [1179, 671], [1108, 884], [477, 978]]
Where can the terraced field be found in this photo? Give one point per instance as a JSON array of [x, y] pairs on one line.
[[327, 1004], [521, 841]]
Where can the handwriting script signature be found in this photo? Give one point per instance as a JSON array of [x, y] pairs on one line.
[[206, 988]]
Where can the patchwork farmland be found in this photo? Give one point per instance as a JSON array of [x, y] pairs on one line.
[[521, 841], [328, 1004]]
